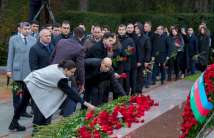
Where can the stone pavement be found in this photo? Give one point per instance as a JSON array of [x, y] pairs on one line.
[[169, 96]]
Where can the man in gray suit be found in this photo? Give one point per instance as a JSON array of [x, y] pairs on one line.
[[18, 61]]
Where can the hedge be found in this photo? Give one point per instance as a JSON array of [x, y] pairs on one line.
[[89, 18], [112, 20]]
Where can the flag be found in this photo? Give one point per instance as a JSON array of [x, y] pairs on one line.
[[198, 100]]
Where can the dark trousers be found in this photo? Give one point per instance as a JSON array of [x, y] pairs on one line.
[[38, 119], [125, 83], [69, 106], [139, 79], [147, 78], [179, 64], [158, 67], [18, 92], [201, 67], [104, 90], [192, 65], [133, 80], [92, 95], [170, 68]]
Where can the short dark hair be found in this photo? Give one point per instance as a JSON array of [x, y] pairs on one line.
[[78, 32], [57, 25], [108, 34], [67, 64], [24, 24], [122, 25], [97, 26], [81, 24], [34, 22], [130, 23], [47, 25], [148, 22], [65, 22], [106, 26]]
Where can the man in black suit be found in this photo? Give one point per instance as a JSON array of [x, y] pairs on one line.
[[40, 53], [98, 71], [100, 49], [143, 46], [65, 32], [160, 53]]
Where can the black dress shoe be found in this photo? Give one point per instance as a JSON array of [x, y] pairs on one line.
[[162, 82], [14, 126], [27, 115], [153, 83]]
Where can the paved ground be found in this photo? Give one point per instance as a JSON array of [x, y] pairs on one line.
[[170, 98], [2, 69]]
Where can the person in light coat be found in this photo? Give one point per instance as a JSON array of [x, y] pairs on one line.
[[18, 60], [48, 87]]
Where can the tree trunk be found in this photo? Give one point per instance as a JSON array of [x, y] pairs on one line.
[[83, 5]]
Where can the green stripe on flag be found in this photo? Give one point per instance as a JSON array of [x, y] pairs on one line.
[[194, 108]]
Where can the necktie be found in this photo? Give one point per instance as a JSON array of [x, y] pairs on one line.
[[49, 49], [25, 40]]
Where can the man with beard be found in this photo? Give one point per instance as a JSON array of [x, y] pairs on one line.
[[100, 50]]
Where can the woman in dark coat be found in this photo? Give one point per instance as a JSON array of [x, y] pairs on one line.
[[177, 53], [203, 49]]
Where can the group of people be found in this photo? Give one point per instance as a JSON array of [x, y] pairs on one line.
[[54, 68]]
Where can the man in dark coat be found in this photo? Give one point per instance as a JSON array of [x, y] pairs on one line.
[[129, 47], [98, 71], [99, 50], [143, 46], [191, 48], [65, 32], [93, 38], [160, 53], [40, 53], [148, 32], [133, 58]]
